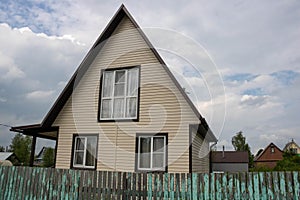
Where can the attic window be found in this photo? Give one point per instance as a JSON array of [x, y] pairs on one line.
[[272, 150], [119, 94]]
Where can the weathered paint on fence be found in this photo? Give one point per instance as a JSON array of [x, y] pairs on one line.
[[47, 183]]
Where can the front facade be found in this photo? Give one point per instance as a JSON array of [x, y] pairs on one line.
[[123, 110], [268, 157]]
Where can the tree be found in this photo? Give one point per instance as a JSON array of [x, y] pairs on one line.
[[48, 158], [2, 149], [290, 162], [239, 143], [21, 146]]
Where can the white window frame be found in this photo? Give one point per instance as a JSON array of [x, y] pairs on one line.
[[125, 97], [151, 152], [84, 152]]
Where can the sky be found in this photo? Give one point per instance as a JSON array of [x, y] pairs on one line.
[[253, 48]]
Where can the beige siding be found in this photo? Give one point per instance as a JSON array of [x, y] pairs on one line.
[[162, 108], [200, 154]]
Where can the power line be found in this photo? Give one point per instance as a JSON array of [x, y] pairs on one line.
[[6, 125]]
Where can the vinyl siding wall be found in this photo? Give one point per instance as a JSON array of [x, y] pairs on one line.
[[162, 108], [200, 154]]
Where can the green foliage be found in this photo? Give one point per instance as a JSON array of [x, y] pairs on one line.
[[48, 158], [21, 146], [261, 169], [2, 149], [290, 162], [239, 143]]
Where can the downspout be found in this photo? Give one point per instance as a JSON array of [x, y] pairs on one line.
[[210, 149]]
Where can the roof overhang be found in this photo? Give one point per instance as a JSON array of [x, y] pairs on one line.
[[38, 131]]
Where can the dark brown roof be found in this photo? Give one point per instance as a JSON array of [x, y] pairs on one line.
[[229, 157], [108, 31]]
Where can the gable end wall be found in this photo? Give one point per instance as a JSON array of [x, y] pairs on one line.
[[162, 108]]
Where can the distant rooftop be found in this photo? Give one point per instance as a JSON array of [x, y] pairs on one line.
[[5, 155], [229, 157]]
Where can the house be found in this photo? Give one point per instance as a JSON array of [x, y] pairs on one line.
[[38, 161], [292, 147], [268, 157], [229, 161], [123, 110], [7, 158]]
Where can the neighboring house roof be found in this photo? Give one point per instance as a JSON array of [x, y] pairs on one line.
[[292, 143], [41, 153], [264, 156], [229, 157], [5, 155], [89, 58]]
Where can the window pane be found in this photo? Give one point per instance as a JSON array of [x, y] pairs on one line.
[[145, 145], [106, 108], [119, 89], [108, 84], [119, 108], [80, 143], [158, 144], [131, 107], [158, 160], [145, 155], [79, 158], [91, 151], [145, 160], [132, 86], [120, 77]]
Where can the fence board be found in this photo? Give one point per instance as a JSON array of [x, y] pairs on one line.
[[149, 177], [270, 193], [189, 186], [224, 187], [276, 186], [250, 186], [263, 188], [172, 188], [183, 185], [296, 185], [282, 185], [289, 185], [41, 183], [177, 186]]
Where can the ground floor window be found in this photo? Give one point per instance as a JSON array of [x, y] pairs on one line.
[[84, 151], [151, 152]]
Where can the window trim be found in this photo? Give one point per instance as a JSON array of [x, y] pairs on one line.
[[137, 154], [76, 135], [136, 119]]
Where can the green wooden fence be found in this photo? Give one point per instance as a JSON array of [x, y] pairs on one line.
[[48, 183]]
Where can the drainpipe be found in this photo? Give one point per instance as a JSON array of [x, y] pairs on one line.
[[223, 151], [210, 149]]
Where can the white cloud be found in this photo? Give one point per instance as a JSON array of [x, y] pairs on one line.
[[40, 95], [8, 69]]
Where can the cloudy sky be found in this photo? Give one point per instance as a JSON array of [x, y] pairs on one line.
[[254, 46]]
